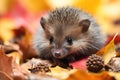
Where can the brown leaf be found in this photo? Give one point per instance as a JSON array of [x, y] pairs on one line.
[[108, 51], [83, 75], [1, 41], [118, 54], [18, 72], [40, 77], [23, 39], [8, 49], [19, 32], [4, 76], [5, 63], [17, 56]]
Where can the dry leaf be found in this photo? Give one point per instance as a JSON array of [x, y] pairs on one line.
[[108, 51], [5, 63], [17, 56], [9, 48], [118, 54], [116, 40], [57, 72], [23, 40], [18, 72], [116, 75], [19, 32], [60, 73], [40, 77], [4, 76], [6, 26], [83, 75], [80, 64]]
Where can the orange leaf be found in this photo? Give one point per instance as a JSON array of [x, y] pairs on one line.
[[22, 38], [4, 76], [116, 75], [17, 56], [18, 72], [83, 75], [108, 51], [5, 63]]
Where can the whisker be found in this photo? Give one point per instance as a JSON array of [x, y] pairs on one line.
[[93, 46]]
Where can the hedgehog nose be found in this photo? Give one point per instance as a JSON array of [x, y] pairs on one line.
[[57, 54]]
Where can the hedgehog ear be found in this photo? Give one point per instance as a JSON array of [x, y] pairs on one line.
[[42, 22], [85, 25]]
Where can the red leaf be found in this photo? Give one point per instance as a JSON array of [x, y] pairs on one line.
[[80, 64], [117, 39]]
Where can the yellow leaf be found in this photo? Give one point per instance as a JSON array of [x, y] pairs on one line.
[[17, 56], [108, 51], [34, 6], [87, 5], [60, 73], [6, 26], [116, 75], [84, 75], [5, 6]]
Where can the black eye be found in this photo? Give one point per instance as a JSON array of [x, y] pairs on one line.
[[69, 40], [51, 40]]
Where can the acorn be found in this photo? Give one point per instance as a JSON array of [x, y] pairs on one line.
[[95, 63]]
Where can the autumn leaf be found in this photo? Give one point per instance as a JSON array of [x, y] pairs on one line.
[[88, 5], [4, 76], [30, 63], [5, 63], [108, 51], [60, 73], [23, 39], [116, 75], [117, 54], [56, 72], [17, 56], [6, 25], [10, 48], [116, 40], [40, 77], [18, 72], [34, 6], [84, 75], [80, 64]]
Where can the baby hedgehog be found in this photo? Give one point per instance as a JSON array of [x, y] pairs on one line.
[[66, 35]]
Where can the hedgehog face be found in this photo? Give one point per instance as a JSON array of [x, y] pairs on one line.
[[63, 39], [66, 34]]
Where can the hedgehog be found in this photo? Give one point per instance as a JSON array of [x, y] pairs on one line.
[[67, 34]]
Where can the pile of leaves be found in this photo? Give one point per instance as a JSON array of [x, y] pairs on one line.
[[19, 61]]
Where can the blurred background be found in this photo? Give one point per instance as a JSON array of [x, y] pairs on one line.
[[19, 15]]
